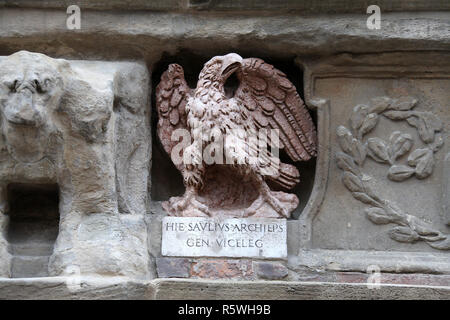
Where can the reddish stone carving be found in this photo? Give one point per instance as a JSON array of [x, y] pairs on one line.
[[227, 162]]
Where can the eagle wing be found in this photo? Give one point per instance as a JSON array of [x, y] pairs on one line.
[[171, 97], [273, 102]]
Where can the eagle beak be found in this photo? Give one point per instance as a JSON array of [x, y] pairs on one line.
[[231, 62]]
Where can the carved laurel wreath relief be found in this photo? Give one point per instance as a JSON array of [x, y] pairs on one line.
[[420, 162]]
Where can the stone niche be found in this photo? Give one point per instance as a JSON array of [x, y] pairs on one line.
[[75, 161], [167, 180]]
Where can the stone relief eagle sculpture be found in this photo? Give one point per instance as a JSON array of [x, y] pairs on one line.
[[265, 99]]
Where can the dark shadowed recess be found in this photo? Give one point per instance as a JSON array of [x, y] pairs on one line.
[[166, 179], [33, 227]]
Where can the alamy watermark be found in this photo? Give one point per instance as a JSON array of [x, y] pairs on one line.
[[73, 280], [73, 21], [235, 147], [374, 20], [374, 279]]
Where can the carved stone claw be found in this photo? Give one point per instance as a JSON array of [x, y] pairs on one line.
[[253, 209], [276, 205], [266, 203], [187, 206]]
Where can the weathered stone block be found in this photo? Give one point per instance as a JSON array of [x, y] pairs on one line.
[[270, 270], [222, 269], [29, 266], [82, 127], [173, 267], [380, 191]]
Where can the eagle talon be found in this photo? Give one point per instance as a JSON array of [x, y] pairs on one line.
[[253, 209], [277, 205], [187, 205], [267, 197]]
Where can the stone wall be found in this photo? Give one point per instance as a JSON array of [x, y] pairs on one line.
[[374, 200]]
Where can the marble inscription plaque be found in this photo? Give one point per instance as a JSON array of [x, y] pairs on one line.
[[209, 237]]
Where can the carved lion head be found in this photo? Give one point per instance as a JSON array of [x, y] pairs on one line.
[[31, 87]]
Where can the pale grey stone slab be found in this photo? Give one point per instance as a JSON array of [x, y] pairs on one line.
[[160, 289], [267, 290], [65, 288], [336, 218], [196, 237], [146, 35], [361, 261], [303, 6]]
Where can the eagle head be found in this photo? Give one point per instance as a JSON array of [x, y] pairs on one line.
[[219, 68]]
